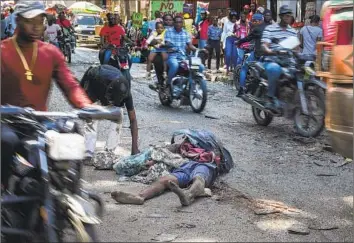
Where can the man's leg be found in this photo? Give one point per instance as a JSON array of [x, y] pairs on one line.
[[228, 53], [273, 71], [202, 176], [243, 74], [172, 64], [90, 140], [156, 189], [211, 50], [114, 135], [217, 54]]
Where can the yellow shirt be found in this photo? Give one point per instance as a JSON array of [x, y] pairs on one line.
[[155, 36]]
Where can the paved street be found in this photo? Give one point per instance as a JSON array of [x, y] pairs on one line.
[[279, 178]]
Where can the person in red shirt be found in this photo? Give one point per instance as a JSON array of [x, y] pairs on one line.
[[66, 25], [112, 33], [27, 69]]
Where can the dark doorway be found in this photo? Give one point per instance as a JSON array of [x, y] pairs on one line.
[[274, 9]]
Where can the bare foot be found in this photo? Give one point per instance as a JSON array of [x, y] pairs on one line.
[[127, 198], [185, 199]]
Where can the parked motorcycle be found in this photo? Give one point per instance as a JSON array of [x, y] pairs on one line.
[[300, 93], [44, 197], [119, 58], [188, 87]]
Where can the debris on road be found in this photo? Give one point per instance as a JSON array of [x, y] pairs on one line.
[[326, 174], [212, 117], [323, 225], [156, 216], [165, 237], [185, 225], [266, 211], [299, 229]]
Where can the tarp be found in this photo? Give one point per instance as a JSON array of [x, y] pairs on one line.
[[85, 7]]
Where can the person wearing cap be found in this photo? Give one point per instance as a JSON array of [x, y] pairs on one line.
[[254, 36], [28, 66], [203, 29], [279, 31]]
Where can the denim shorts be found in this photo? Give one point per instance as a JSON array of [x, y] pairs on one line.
[[188, 171], [158, 50]]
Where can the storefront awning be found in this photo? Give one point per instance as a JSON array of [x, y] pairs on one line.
[[343, 15]]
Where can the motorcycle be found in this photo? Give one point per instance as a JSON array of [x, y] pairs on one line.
[[43, 197], [188, 87], [65, 45], [119, 58], [301, 95]]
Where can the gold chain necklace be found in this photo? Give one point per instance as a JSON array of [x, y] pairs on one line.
[[28, 69]]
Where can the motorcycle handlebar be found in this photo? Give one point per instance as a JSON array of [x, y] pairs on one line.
[[112, 114]]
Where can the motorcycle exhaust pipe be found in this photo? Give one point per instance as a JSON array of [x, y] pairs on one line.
[[253, 102]]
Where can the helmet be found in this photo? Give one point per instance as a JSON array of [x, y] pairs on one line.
[[233, 14]]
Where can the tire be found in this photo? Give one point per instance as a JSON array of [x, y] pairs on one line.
[[236, 78], [164, 98], [257, 113], [303, 129], [68, 53], [198, 81]]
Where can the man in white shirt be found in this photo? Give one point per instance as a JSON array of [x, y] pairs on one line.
[[52, 32]]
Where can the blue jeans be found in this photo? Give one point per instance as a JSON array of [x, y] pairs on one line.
[[188, 171], [244, 69], [240, 54], [173, 64], [230, 52], [273, 72], [202, 44]]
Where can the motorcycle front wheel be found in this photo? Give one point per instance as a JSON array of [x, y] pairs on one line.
[[198, 94], [261, 117], [165, 96], [316, 107], [236, 78], [68, 53]]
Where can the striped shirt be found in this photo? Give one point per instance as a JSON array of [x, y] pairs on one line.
[[275, 31], [178, 39]]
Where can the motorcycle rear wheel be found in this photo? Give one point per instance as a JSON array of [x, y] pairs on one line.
[[199, 90], [68, 54], [319, 99], [261, 117]]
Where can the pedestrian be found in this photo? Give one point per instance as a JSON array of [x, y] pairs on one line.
[[229, 39], [159, 36], [241, 30], [106, 85], [309, 35], [253, 9], [11, 21], [203, 26], [214, 39], [268, 19], [220, 18]]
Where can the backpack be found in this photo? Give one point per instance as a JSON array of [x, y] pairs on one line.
[[206, 140]]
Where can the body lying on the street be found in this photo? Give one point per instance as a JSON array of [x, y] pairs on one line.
[[186, 167]]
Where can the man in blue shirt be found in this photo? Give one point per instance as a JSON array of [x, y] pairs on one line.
[[214, 37], [279, 31], [179, 39], [11, 21]]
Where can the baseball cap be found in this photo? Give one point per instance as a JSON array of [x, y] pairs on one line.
[[29, 9], [257, 17], [285, 9]]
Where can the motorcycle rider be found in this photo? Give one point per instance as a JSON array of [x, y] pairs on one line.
[[27, 84], [255, 35], [273, 70], [52, 31], [111, 34], [66, 25], [95, 81], [180, 40]]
